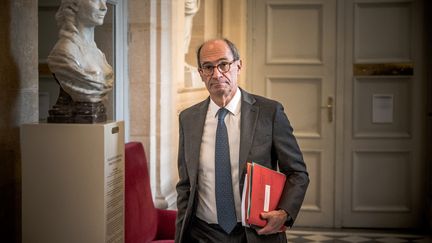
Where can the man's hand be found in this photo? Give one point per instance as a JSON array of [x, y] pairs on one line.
[[275, 222]]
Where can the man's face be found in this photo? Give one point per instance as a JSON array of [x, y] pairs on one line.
[[92, 12], [218, 83]]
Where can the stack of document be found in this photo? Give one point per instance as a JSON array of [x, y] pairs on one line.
[[261, 193]]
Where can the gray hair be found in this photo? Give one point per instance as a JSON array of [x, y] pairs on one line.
[[231, 46]]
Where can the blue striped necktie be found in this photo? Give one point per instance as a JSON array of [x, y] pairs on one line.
[[224, 192]]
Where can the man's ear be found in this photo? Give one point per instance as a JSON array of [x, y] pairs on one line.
[[240, 65], [201, 75]]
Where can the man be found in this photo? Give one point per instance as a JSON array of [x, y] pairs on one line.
[[257, 130]]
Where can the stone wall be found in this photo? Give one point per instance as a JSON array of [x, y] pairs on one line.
[[18, 103]]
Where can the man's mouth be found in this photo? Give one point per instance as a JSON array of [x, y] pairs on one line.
[[218, 84]]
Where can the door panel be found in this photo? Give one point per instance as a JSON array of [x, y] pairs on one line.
[[294, 62], [378, 78], [382, 165]]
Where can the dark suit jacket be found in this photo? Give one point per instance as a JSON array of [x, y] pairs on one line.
[[266, 138]]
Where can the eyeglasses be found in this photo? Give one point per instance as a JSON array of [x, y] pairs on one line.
[[223, 67]]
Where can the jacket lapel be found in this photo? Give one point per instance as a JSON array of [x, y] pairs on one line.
[[249, 115], [196, 128]]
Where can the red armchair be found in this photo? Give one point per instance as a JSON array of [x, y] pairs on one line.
[[143, 222]]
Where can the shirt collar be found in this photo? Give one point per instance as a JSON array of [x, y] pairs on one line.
[[233, 106]]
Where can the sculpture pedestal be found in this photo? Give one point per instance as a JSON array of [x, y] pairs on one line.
[[72, 182], [62, 111], [67, 111], [87, 112]]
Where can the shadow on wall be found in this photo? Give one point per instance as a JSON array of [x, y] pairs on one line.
[[428, 55], [10, 165]]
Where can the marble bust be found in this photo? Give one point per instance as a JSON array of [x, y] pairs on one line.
[[78, 65], [191, 78]]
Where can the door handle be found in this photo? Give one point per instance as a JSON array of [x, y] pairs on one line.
[[329, 108]]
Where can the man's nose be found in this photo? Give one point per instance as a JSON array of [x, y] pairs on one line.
[[216, 73]]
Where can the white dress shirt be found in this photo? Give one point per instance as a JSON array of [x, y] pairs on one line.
[[206, 208]]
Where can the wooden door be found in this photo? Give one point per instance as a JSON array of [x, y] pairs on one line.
[[363, 58], [383, 169], [292, 60]]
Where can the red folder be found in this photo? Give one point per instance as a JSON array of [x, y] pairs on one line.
[[264, 189]]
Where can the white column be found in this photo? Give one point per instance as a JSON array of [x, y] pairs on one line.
[[165, 46]]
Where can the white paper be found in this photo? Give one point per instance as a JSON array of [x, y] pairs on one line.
[[382, 108], [114, 197], [243, 203], [266, 198]]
